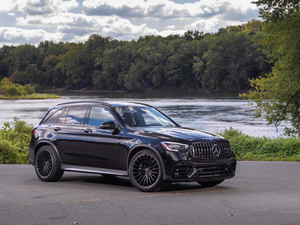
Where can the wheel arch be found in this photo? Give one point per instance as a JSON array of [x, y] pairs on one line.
[[44, 143], [139, 148]]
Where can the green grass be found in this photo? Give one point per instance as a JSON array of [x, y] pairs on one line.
[[250, 148], [31, 96]]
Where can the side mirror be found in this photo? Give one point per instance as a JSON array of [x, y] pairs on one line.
[[110, 125]]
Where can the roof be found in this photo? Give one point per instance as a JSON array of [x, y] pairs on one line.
[[112, 104]]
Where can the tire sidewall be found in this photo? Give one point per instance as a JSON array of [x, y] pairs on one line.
[[159, 181], [55, 168]]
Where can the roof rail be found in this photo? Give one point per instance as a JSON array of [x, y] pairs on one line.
[[67, 103], [142, 104]]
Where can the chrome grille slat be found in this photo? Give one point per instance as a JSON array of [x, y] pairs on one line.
[[203, 150]]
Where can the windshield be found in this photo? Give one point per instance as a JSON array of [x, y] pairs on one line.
[[143, 116]]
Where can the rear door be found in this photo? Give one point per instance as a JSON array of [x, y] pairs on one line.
[[100, 147], [68, 134]]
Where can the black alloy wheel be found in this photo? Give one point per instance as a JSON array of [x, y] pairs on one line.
[[145, 171], [47, 166]]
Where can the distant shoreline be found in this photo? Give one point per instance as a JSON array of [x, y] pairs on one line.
[[167, 90], [28, 97]]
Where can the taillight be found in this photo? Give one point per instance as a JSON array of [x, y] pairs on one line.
[[32, 132]]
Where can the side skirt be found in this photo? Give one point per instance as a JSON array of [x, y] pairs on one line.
[[86, 169]]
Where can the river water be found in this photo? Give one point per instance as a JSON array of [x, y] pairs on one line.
[[209, 112]]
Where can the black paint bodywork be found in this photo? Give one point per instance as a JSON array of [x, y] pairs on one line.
[[84, 148]]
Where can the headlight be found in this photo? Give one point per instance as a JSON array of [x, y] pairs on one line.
[[173, 146]]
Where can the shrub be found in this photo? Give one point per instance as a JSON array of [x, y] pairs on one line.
[[10, 89], [246, 147], [14, 142], [13, 91]]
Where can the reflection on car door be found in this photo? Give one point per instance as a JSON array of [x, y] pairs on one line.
[[68, 132], [100, 147]]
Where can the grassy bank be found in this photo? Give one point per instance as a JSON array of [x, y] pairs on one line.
[[15, 138], [250, 148], [31, 96]]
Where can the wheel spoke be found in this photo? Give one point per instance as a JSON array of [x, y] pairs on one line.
[[145, 170], [44, 163]]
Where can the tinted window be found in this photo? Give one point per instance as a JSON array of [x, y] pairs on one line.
[[63, 117], [54, 117], [141, 116], [76, 115], [99, 115]]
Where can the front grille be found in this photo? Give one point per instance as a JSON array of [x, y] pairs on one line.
[[211, 150]]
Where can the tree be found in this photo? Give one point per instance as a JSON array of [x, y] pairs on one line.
[[76, 65], [278, 93]]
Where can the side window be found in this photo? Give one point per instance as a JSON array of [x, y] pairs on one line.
[[54, 117], [63, 117], [76, 115], [100, 115]]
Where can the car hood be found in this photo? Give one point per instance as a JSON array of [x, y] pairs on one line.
[[179, 133]]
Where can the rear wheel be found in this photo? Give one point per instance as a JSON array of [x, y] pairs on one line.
[[145, 171], [47, 165], [210, 183]]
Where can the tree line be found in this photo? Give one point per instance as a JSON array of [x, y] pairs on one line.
[[224, 60]]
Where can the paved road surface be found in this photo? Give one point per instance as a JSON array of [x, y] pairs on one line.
[[261, 193]]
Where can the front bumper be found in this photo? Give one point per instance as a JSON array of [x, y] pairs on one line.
[[204, 170]]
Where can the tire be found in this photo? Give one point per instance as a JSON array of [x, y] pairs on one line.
[[47, 165], [210, 183], [107, 175], [145, 171]]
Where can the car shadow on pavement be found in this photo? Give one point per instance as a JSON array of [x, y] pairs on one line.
[[125, 182]]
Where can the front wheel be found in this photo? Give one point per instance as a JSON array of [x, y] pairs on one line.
[[145, 171], [210, 183], [47, 165]]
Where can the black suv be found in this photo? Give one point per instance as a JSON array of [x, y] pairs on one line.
[[127, 139]]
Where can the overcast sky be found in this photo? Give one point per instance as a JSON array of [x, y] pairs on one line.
[[33, 21]]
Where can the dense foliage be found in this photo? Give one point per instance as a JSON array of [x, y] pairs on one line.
[[8, 88], [278, 93], [14, 141], [224, 60], [246, 147]]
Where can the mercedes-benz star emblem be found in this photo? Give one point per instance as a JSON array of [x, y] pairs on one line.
[[216, 150]]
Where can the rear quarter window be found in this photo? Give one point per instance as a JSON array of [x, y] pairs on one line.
[[53, 116]]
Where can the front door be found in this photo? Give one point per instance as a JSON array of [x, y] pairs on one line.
[[100, 147]]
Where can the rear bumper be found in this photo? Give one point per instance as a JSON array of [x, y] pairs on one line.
[[208, 170]]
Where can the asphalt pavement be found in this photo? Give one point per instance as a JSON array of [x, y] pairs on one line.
[[261, 193]]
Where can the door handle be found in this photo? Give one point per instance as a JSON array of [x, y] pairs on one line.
[[57, 128], [88, 131]]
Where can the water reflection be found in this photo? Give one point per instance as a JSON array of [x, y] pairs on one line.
[[210, 112]]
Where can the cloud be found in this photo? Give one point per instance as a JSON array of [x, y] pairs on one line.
[[67, 20], [210, 25], [38, 7], [15, 35], [238, 14], [153, 8], [80, 25]]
